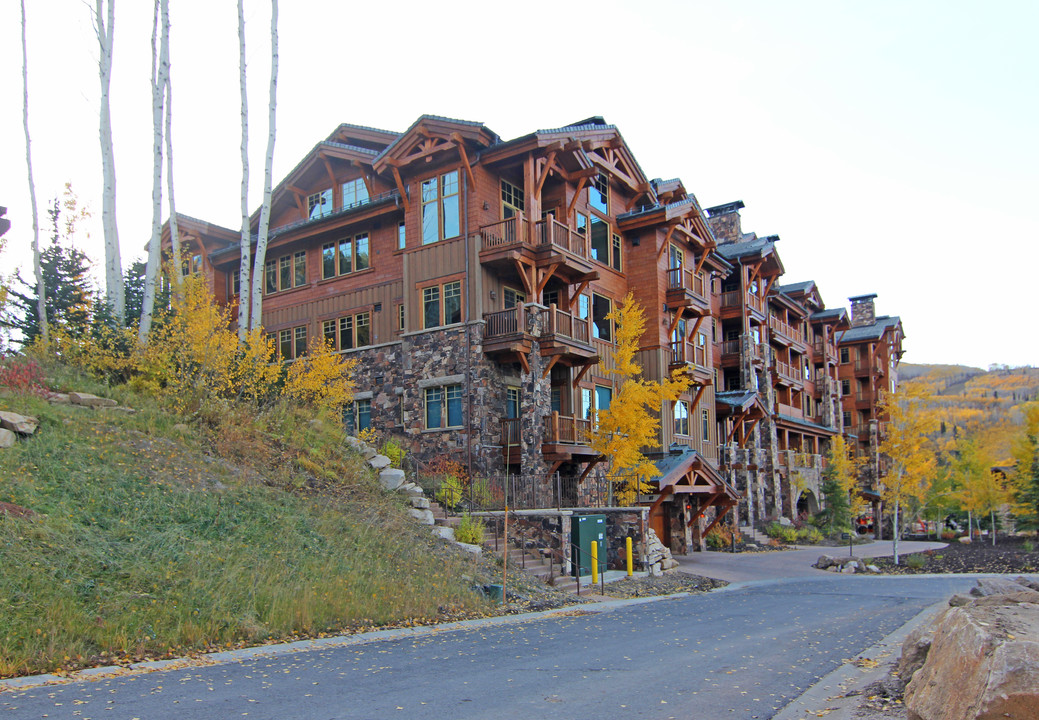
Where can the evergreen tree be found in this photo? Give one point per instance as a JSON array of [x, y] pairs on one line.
[[1026, 469], [66, 279]]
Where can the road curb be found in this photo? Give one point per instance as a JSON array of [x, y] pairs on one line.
[[262, 651]]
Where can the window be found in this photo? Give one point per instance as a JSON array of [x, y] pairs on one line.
[[845, 387], [615, 257], [512, 402], [402, 240], [513, 298], [557, 399], [551, 297], [187, 267], [586, 403], [846, 416], [511, 200], [348, 332], [675, 258], [584, 304], [440, 216], [845, 356], [582, 223], [400, 317], [446, 298], [355, 192], [602, 326], [705, 425], [285, 273], [345, 256], [808, 405], [359, 416], [443, 407], [603, 398], [599, 194], [600, 244], [291, 343], [681, 418], [234, 280], [319, 204], [807, 370]]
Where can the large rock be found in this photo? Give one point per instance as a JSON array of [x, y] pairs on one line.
[[824, 562], [443, 531], [418, 502], [7, 438], [379, 462], [995, 586], [21, 424], [983, 662], [391, 478], [914, 651], [88, 400], [424, 517]]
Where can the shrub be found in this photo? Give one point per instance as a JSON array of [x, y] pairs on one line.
[[1028, 546], [948, 535], [394, 451], [470, 530], [916, 561], [780, 532], [23, 376], [809, 535], [450, 492], [719, 538]]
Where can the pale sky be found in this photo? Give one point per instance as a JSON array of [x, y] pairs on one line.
[[891, 144]]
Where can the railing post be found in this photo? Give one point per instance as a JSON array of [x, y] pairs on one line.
[[555, 426]]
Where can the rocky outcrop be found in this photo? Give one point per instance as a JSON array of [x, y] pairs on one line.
[[982, 658], [88, 400], [20, 424], [658, 555]]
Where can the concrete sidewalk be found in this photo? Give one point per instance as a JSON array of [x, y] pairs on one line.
[[785, 564]]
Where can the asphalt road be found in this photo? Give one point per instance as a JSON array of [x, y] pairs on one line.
[[741, 652]]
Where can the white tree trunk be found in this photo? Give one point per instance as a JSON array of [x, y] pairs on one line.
[[174, 229], [256, 308], [41, 290], [992, 520], [115, 294], [894, 532], [245, 240], [159, 51], [970, 526]]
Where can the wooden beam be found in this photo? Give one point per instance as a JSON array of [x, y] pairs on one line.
[[699, 394], [737, 420], [400, 188], [748, 430], [303, 214], [540, 183], [591, 464], [701, 261], [660, 499], [328, 169], [696, 328], [460, 142], [528, 281], [581, 374], [366, 177], [704, 506], [577, 193], [754, 275], [546, 275], [580, 289], [555, 466], [524, 363], [768, 285], [667, 239], [674, 321], [548, 368], [723, 509]]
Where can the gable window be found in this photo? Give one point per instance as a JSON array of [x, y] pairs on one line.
[[319, 204], [285, 273], [442, 304], [348, 255], [681, 418], [355, 192], [599, 194], [511, 200], [443, 407], [705, 425], [440, 216], [602, 326]]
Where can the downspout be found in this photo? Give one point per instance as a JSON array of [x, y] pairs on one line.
[[468, 331]]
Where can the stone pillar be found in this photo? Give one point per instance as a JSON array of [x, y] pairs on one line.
[[536, 405]]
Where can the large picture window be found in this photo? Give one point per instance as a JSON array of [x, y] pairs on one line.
[[355, 192], [440, 208], [442, 304], [285, 273]]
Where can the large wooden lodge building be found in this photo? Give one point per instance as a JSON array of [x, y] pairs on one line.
[[472, 277]]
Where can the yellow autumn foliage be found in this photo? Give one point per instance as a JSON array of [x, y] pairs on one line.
[[321, 379]]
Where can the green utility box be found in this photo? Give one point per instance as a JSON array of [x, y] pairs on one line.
[[584, 530]]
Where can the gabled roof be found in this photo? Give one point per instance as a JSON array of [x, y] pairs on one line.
[[737, 399], [872, 332], [689, 471], [796, 288], [753, 250], [427, 126], [805, 424], [838, 316]]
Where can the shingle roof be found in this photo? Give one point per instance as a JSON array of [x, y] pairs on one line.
[[804, 423], [736, 398], [871, 332], [796, 287], [755, 246]]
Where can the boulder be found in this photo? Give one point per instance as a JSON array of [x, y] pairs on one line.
[[424, 517], [21, 424], [442, 531], [786, 522], [914, 651], [872, 568], [983, 663], [1021, 580], [824, 562], [7, 438], [965, 540], [352, 442], [849, 568], [419, 502], [59, 398], [960, 600], [411, 489], [391, 478], [88, 400], [368, 453], [474, 549], [995, 586], [379, 462]]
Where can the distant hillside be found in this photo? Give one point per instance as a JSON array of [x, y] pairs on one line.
[[979, 402]]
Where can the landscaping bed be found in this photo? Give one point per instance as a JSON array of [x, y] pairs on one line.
[[1010, 555]]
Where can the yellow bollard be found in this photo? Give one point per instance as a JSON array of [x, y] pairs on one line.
[[627, 550], [595, 562]]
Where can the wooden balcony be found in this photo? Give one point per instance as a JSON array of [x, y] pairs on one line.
[[567, 439], [788, 373], [505, 331], [510, 441], [735, 303], [785, 334], [546, 243], [686, 289], [692, 357], [796, 460], [567, 337]]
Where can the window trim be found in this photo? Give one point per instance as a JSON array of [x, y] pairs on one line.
[[449, 396], [336, 246], [680, 424], [284, 264], [441, 288], [318, 200]]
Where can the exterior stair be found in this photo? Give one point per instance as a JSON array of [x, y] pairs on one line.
[[755, 536], [526, 560]]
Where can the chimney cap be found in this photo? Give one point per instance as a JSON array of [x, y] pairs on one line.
[[725, 209], [859, 298]]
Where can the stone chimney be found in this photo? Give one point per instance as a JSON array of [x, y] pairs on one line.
[[862, 310], [725, 222]]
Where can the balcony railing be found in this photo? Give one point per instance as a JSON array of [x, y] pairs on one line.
[[504, 322], [510, 432], [552, 232], [506, 232], [388, 196], [683, 352], [795, 459], [567, 430], [785, 329], [730, 347], [683, 279], [788, 371], [561, 323]]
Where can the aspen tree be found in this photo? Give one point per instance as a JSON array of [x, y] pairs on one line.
[[245, 240], [114, 291], [41, 308]]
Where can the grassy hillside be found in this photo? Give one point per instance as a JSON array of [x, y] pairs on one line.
[[144, 535]]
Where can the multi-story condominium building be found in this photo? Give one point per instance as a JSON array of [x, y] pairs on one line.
[[473, 278], [870, 352]]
